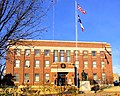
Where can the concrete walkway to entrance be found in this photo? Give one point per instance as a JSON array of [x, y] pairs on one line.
[[112, 89]]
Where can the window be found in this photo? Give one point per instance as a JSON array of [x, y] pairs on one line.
[[47, 52], [16, 78], [55, 55], [37, 52], [94, 64], [47, 63], [93, 53], [17, 52], [103, 76], [47, 77], [17, 63], [27, 52], [95, 76], [102, 54], [85, 64], [85, 53], [67, 55], [76, 52], [37, 77], [62, 55], [26, 77], [27, 63], [102, 64], [77, 64], [37, 63]]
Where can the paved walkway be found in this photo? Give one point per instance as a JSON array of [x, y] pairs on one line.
[[111, 91]]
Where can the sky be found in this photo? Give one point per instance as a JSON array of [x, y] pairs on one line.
[[101, 24]]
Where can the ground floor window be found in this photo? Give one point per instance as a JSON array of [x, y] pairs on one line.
[[16, 78], [37, 77], [26, 77], [47, 78]]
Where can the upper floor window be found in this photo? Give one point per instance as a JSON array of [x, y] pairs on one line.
[[37, 63], [76, 52], [85, 53], [37, 52], [27, 63], [27, 52], [47, 52], [102, 54], [94, 64], [47, 63], [102, 64], [37, 77], [55, 55], [93, 53], [17, 52], [17, 63], [85, 64], [62, 52], [68, 56]]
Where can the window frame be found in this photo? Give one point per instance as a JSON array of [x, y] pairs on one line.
[[85, 63], [94, 53], [68, 58], [17, 52], [95, 77], [47, 52], [37, 52], [55, 55], [27, 52], [94, 64], [37, 79], [16, 63], [37, 65], [26, 79], [27, 63], [46, 63], [18, 77]]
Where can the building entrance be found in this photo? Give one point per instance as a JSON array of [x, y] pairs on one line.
[[62, 78]]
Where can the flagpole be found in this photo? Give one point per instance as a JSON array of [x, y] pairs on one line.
[[76, 31], [53, 18]]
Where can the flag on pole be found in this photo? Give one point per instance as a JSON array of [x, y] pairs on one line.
[[106, 58], [108, 51], [81, 10], [79, 20]]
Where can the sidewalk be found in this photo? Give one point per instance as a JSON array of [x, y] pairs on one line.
[[112, 89]]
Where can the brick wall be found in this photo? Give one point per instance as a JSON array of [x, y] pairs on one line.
[[59, 45]]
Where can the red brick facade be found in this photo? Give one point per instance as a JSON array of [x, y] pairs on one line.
[[90, 58]]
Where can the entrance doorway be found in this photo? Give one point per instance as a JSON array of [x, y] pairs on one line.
[[62, 79]]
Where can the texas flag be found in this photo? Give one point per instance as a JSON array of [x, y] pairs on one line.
[[80, 9], [79, 20]]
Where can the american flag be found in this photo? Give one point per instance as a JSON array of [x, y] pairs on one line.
[[81, 10]]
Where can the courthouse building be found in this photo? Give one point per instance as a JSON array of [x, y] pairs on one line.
[[52, 62]]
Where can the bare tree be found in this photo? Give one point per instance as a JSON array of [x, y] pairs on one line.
[[19, 19]]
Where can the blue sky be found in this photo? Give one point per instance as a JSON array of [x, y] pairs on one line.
[[101, 24]]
